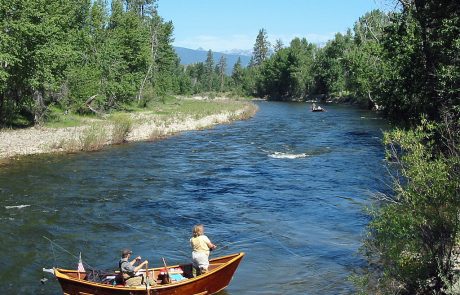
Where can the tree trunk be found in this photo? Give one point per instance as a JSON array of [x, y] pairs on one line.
[[39, 107], [88, 104], [2, 103], [153, 51]]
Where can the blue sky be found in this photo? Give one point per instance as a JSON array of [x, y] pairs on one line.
[[222, 25]]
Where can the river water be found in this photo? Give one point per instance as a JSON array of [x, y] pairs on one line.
[[287, 187]]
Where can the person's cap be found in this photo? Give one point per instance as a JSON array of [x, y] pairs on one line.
[[126, 252]]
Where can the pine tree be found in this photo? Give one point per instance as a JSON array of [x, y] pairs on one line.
[[261, 48], [237, 72], [222, 65], [278, 45], [209, 67]]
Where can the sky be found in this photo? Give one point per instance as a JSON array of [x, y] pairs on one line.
[[224, 25]]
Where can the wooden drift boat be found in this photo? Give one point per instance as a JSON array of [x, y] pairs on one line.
[[318, 110], [217, 278]]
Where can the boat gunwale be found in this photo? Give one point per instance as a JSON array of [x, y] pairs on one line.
[[60, 274]]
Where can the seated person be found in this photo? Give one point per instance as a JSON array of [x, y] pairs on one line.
[[128, 270]]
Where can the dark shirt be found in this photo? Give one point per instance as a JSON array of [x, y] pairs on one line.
[[126, 267]]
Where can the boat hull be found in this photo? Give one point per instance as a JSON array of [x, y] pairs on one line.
[[217, 279]]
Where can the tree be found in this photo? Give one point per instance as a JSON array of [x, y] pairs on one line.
[[209, 68], [222, 65], [167, 60], [301, 57], [261, 48], [288, 73], [278, 45], [44, 47], [330, 67], [237, 72], [364, 60], [422, 42], [415, 231]]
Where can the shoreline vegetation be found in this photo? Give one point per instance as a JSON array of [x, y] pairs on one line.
[[94, 133]]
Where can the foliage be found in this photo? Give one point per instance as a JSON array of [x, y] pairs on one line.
[[331, 72], [421, 55], [261, 48], [414, 233], [364, 61], [79, 57], [85, 57]]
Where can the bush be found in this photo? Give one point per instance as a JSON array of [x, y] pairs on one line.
[[414, 233]]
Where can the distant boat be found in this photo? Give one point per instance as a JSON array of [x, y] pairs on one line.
[[217, 278], [315, 108]]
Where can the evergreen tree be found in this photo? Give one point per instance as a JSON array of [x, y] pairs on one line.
[[261, 48], [222, 65], [237, 73], [209, 69], [278, 45]]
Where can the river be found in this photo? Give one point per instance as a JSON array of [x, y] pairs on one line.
[[287, 187]]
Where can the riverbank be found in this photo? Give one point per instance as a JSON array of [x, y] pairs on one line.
[[95, 133]]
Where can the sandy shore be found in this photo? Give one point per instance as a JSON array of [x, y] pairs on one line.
[[145, 126]]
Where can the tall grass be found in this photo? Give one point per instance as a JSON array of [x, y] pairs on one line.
[[122, 125], [156, 134], [198, 108], [93, 138]]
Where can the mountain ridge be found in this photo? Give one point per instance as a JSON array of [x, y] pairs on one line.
[[190, 56]]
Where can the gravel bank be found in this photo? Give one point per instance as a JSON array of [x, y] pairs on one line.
[[145, 126]]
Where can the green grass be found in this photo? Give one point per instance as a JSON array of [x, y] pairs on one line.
[[57, 118], [194, 108], [166, 108]]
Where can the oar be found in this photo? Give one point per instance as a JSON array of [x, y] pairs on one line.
[[168, 280], [147, 278]]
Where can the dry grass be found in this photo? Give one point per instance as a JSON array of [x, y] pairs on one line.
[[93, 138], [157, 134], [122, 125]]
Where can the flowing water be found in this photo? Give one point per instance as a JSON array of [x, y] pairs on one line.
[[287, 187]]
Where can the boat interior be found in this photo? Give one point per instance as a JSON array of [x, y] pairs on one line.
[[162, 276]]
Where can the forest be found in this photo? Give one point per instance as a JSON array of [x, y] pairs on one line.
[[87, 58], [84, 57]]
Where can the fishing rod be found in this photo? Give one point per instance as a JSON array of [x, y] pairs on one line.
[[63, 249], [227, 245]]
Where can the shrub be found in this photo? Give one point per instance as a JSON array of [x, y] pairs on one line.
[[413, 234]]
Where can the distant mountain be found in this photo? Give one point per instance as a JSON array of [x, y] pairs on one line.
[[189, 56]]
